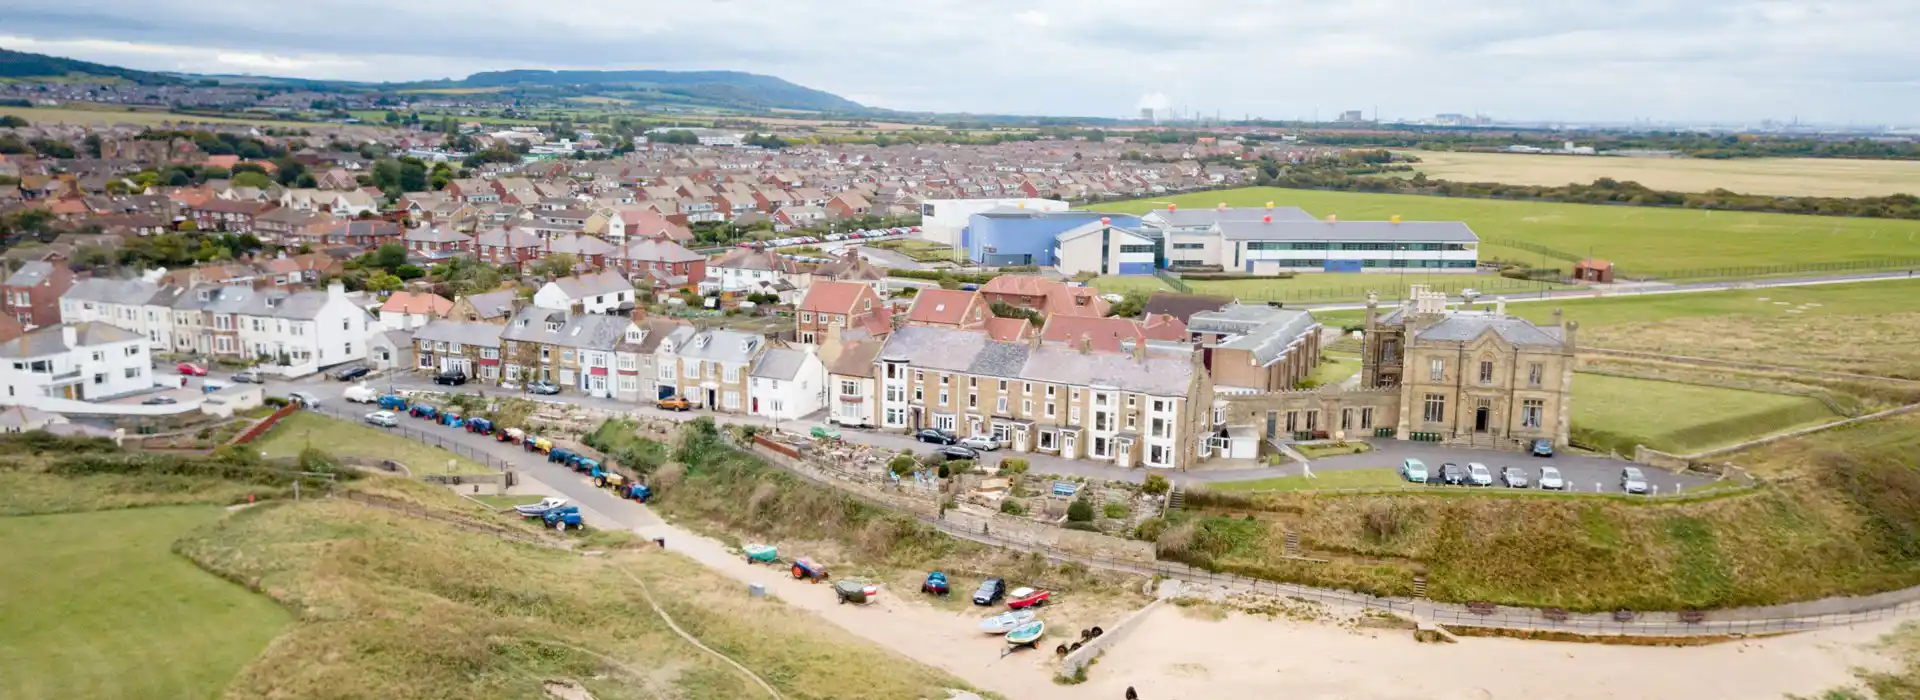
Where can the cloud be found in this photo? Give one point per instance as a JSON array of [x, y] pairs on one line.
[[1735, 60]]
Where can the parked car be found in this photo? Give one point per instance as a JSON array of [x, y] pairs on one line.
[[935, 436], [674, 403], [347, 374], [1550, 479], [384, 419], [360, 393], [1632, 481], [450, 378], [160, 401], [990, 591], [190, 369], [1541, 448], [957, 452], [983, 443], [543, 388], [1513, 477], [1479, 475], [1452, 475], [1414, 470], [304, 398], [247, 376]]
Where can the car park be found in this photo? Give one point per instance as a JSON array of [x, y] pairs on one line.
[[1632, 480], [990, 591], [1414, 470], [190, 369], [1550, 479], [1452, 474], [347, 374], [384, 419], [450, 378], [952, 452], [1541, 448], [935, 436], [247, 376], [1479, 475], [1513, 477], [980, 442]]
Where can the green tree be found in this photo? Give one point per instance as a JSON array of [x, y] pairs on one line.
[[555, 266], [383, 282], [389, 257], [1155, 485], [902, 464], [1132, 304], [413, 175], [1080, 511], [252, 178]]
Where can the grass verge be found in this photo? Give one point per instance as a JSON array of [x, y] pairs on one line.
[[1383, 477], [360, 442], [99, 607], [1618, 412]]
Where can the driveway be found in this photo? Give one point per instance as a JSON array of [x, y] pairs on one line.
[[1581, 471]]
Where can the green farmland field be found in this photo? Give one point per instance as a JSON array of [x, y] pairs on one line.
[[1682, 418], [1642, 240], [1330, 287], [98, 606]]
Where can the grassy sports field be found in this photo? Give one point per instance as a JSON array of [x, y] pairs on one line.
[[1683, 418], [1817, 177], [345, 439], [98, 606], [1645, 239]]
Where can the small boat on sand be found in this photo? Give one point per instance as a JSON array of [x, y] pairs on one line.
[[1026, 634], [1006, 622]]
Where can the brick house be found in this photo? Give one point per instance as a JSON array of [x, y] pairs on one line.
[[500, 246], [32, 293], [226, 216], [843, 305]]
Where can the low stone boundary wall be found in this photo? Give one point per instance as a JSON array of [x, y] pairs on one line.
[[1077, 660]]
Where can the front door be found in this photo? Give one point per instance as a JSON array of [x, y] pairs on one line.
[[1482, 415], [1126, 450], [1066, 446], [713, 403]]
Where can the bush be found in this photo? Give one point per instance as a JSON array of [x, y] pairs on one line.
[[1116, 511], [1080, 511], [902, 464], [1012, 507], [277, 401], [1013, 466], [1155, 485]]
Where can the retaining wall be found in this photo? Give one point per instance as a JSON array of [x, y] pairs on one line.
[[261, 428], [1071, 665]]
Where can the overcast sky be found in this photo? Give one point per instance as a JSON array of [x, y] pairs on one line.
[[1682, 60]]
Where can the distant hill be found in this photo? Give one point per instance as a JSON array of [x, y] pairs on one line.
[[719, 88], [19, 64]]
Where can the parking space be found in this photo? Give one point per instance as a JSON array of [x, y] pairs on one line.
[[1582, 473]]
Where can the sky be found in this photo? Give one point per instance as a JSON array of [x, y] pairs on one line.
[[1728, 61]]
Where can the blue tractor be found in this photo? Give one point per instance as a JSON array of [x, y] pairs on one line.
[[562, 518], [392, 402], [637, 492], [560, 456]]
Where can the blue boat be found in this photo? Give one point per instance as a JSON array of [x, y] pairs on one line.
[[1027, 634]]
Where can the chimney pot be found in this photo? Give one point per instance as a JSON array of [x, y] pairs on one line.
[[1268, 219], [1170, 207]]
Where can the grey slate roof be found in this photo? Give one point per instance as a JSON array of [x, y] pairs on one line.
[[604, 282], [30, 274], [103, 290], [462, 332], [1423, 231], [493, 304], [1162, 372], [1461, 326], [592, 331], [719, 345], [779, 363], [1263, 330], [49, 340]]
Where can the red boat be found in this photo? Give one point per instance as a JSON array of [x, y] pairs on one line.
[[1028, 598]]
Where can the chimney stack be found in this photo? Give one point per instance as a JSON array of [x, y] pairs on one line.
[[1395, 218], [1086, 343], [1331, 219], [1500, 306], [1268, 219], [1170, 207]]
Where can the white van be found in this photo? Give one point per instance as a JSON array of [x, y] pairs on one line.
[[361, 393]]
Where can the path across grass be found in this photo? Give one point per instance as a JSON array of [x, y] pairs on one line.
[[97, 606]]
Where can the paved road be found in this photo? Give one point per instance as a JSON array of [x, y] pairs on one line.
[[1582, 471]]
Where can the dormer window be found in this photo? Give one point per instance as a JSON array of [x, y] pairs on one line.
[[553, 326]]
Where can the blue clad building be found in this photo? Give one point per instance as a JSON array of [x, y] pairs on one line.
[[1006, 236]]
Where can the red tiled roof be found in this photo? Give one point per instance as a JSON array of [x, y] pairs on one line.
[[941, 306], [832, 297], [1106, 334], [1009, 330], [417, 303]]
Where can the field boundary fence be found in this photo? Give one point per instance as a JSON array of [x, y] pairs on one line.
[[1173, 281], [1546, 251], [1738, 272]]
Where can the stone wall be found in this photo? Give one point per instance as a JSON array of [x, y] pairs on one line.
[[1252, 409], [1071, 665]]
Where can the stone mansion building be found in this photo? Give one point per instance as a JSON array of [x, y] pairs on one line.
[[1429, 372]]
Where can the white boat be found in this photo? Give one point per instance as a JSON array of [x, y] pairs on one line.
[[541, 508], [1006, 622]]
